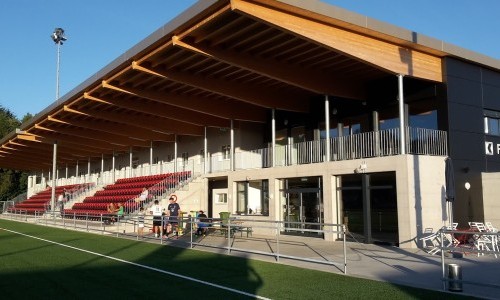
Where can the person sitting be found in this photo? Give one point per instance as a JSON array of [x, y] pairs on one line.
[[203, 223], [120, 211], [112, 209], [143, 196]]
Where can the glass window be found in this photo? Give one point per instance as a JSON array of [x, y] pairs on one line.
[[492, 126], [221, 198], [252, 197]]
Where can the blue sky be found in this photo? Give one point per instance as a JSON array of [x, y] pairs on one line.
[[99, 31]]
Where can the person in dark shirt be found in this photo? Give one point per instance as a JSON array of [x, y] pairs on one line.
[[203, 223], [173, 210]]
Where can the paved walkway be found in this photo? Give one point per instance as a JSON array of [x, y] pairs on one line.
[[412, 267]]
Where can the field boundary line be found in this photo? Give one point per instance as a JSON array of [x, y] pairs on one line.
[[143, 266]]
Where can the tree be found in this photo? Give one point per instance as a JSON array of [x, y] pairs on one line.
[[12, 182]]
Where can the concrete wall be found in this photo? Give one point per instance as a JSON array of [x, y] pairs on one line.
[[419, 180], [491, 196]]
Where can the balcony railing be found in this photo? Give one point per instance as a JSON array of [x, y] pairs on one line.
[[419, 141]]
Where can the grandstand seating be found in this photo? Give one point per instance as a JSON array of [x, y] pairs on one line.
[[125, 191], [40, 202]]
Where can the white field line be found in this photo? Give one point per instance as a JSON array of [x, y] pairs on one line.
[[144, 266]]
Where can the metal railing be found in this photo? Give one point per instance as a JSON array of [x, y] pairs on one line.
[[446, 237], [228, 236], [419, 141]]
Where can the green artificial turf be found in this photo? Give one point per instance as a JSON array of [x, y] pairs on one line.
[[36, 269]]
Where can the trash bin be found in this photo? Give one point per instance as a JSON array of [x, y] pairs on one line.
[[454, 274]]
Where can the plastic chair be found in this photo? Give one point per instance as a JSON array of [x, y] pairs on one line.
[[430, 241]]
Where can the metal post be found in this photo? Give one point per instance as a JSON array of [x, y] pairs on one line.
[[102, 168], [327, 128], [344, 230], [53, 194], [277, 241], [57, 69], [229, 236], [402, 142], [205, 152], [130, 164], [231, 150], [113, 165], [175, 153], [151, 159], [273, 137]]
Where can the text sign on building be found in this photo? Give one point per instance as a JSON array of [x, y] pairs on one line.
[[489, 148]]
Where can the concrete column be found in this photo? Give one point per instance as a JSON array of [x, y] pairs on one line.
[[367, 220]]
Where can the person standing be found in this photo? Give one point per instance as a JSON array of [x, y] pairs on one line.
[[173, 213], [156, 211], [60, 202]]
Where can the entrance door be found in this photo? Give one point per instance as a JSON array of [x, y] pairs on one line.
[[369, 207], [303, 208]]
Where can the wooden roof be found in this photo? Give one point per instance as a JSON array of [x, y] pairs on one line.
[[217, 62]]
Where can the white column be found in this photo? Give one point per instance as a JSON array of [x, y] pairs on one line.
[[113, 165], [175, 153], [402, 130], [327, 128], [205, 153], [151, 159], [273, 137], [53, 194], [88, 170], [66, 171], [76, 170], [102, 168], [130, 163], [231, 152]]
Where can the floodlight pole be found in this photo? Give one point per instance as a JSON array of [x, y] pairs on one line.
[[57, 68], [58, 38]]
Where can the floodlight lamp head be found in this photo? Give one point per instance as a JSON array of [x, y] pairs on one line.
[[58, 36]]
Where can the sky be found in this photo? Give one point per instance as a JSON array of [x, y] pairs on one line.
[[98, 31]]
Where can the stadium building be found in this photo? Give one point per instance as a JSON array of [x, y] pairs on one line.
[[288, 110]]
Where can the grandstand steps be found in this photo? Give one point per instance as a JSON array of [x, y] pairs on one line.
[[189, 195]]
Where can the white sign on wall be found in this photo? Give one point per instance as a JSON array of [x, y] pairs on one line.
[[491, 149]]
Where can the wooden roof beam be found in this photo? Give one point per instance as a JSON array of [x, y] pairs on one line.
[[152, 123], [381, 54], [310, 80], [166, 110], [249, 93], [217, 107]]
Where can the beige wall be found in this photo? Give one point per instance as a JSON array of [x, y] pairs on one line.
[[491, 198], [419, 180]]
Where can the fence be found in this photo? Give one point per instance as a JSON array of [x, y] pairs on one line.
[[447, 236], [237, 235]]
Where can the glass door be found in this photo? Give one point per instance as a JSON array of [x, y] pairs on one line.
[[303, 212]]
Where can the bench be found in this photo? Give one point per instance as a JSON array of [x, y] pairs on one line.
[[236, 228]]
